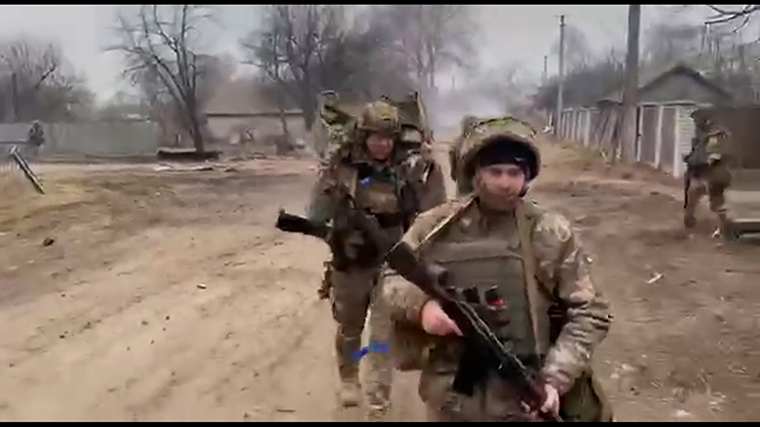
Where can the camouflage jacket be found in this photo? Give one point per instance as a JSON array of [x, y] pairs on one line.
[[35, 135], [563, 274], [709, 146], [395, 202]]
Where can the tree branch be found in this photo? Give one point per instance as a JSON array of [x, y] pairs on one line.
[[723, 16]]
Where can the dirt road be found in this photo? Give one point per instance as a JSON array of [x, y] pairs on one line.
[[169, 296]]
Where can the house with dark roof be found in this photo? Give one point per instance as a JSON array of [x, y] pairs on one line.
[[664, 124], [679, 83]]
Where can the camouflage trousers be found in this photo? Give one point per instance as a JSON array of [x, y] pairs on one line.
[[698, 188], [355, 292]]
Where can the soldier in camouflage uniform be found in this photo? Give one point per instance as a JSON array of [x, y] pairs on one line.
[[417, 139], [707, 171], [373, 171], [35, 139], [554, 317], [333, 127]]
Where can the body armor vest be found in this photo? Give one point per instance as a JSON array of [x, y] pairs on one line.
[[490, 270], [377, 193]]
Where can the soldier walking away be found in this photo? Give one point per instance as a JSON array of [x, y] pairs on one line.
[[707, 172], [530, 276], [35, 138], [370, 175]]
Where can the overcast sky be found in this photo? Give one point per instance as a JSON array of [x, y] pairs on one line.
[[509, 33]]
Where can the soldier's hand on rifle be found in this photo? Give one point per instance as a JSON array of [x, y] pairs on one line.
[[436, 322], [551, 402]]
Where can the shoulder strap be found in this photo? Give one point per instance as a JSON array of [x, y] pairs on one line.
[[446, 222], [524, 226]]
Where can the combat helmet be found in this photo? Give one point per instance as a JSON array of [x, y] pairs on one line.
[[379, 116], [701, 116], [507, 129]]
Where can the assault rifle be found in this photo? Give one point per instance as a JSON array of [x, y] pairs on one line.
[[484, 349]]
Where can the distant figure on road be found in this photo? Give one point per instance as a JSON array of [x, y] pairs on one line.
[[35, 139]]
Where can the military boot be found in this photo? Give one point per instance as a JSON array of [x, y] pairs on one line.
[[379, 376], [348, 368], [378, 403], [724, 228], [350, 392]]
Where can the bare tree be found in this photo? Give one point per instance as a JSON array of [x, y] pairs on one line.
[[37, 83], [299, 48], [589, 77], [667, 41], [723, 15], [434, 38], [163, 51], [372, 64], [268, 51], [585, 86], [717, 50], [309, 48]]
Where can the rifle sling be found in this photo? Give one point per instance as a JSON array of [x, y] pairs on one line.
[[529, 269], [447, 221]]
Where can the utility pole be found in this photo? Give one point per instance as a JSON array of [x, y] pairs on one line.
[[544, 78], [546, 70], [560, 86], [628, 135]]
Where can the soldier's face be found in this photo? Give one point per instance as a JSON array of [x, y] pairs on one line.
[[380, 145], [500, 185]]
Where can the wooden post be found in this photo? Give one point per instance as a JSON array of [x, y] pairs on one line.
[[561, 84], [627, 144], [658, 138]]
